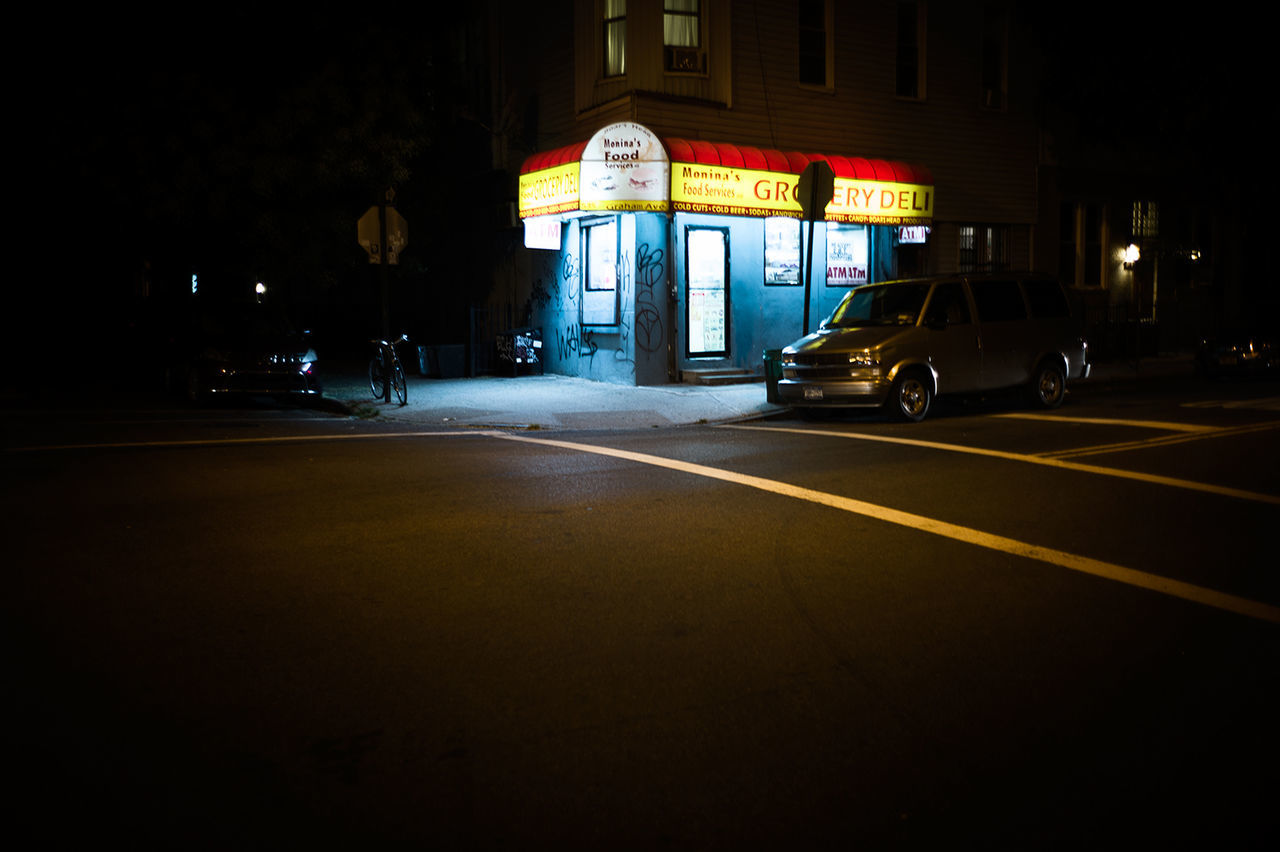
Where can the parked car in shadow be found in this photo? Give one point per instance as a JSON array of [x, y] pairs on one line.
[[222, 348], [1244, 351]]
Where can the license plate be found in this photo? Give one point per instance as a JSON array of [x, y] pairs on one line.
[[813, 393]]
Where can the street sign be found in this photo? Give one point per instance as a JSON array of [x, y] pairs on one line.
[[816, 188], [397, 235], [369, 232], [814, 191]]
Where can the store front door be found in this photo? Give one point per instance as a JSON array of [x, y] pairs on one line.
[[707, 292]]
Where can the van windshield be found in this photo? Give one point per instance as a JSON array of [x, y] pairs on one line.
[[879, 304]]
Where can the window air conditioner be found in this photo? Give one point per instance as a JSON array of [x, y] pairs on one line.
[[685, 59]]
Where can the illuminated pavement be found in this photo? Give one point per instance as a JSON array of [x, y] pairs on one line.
[[550, 402], [565, 402]]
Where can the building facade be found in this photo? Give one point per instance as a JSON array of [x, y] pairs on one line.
[[928, 108]]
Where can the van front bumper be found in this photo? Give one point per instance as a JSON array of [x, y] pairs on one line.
[[863, 393]]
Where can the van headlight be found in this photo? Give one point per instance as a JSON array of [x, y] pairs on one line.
[[864, 358]]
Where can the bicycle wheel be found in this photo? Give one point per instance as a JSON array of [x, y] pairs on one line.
[[377, 376], [398, 382]]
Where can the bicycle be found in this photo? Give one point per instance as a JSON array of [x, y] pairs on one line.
[[386, 372]]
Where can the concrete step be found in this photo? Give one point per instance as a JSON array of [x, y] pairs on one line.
[[724, 376]]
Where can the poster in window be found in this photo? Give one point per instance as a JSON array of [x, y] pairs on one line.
[[847, 255], [600, 277], [782, 251]]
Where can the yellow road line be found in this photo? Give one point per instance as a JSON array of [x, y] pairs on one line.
[[1108, 421], [1045, 460], [1073, 562], [1162, 441], [214, 442]]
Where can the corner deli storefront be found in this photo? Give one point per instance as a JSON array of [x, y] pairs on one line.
[[655, 257]]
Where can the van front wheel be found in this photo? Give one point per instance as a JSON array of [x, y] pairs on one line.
[[1048, 385], [911, 397]]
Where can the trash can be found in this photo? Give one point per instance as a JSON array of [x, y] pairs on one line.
[[772, 373]]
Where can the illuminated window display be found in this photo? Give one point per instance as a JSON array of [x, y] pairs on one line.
[[782, 251], [600, 275], [847, 255]]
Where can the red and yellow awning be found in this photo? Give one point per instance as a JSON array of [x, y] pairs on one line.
[[739, 180]]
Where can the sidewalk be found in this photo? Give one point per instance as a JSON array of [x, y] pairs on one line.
[[565, 402]]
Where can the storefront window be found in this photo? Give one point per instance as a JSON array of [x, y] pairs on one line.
[[848, 255], [782, 251], [600, 275], [707, 263]]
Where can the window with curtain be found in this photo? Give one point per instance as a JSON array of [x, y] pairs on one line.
[[682, 36], [680, 23], [615, 38]]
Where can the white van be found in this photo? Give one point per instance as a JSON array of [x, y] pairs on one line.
[[901, 343]]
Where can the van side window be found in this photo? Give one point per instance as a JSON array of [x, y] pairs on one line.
[[948, 306], [998, 301], [1046, 299]]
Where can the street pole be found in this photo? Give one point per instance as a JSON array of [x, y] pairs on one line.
[[383, 274], [814, 191], [808, 279]]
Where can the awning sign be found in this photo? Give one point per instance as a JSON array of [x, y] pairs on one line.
[[625, 167], [747, 192], [549, 191]]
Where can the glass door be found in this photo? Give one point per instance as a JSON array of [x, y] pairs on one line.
[[707, 288]]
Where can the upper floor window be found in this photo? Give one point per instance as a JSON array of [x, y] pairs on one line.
[[615, 38], [910, 59], [682, 35], [983, 248], [995, 55], [815, 43], [1146, 219]]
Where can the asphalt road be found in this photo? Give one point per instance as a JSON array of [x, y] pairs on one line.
[[267, 628]]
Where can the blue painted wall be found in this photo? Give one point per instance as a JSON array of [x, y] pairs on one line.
[[651, 263], [633, 350], [765, 317]]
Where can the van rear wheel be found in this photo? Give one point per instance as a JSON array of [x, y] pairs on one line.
[[1048, 385], [911, 397]]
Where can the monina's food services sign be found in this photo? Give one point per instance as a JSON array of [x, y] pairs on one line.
[[625, 167]]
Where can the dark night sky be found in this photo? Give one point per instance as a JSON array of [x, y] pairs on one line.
[[255, 141], [236, 143]]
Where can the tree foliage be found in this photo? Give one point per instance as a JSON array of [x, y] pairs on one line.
[[243, 144]]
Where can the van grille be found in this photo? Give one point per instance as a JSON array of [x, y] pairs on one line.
[[821, 359]]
